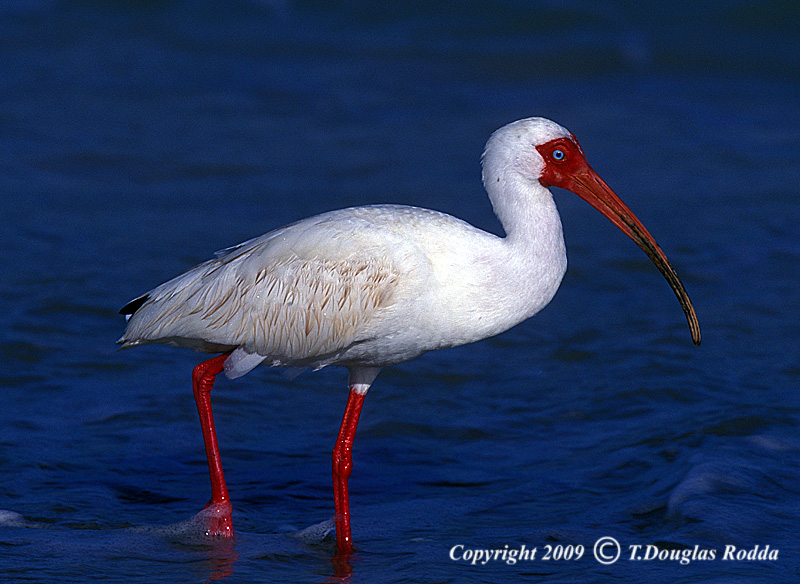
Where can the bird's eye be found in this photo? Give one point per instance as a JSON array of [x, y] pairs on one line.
[[558, 155]]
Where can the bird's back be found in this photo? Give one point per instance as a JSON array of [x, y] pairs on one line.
[[305, 294]]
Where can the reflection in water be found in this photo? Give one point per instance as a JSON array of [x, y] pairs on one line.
[[342, 568], [221, 560]]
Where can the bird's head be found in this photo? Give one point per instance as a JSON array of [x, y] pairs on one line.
[[539, 154]]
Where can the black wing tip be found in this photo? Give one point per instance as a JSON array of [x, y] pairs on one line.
[[134, 305]]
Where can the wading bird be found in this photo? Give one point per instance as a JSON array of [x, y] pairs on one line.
[[373, 286]]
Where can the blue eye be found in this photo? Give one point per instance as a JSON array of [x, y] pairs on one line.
[[558, 155]]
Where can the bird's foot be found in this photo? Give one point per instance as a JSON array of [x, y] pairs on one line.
[[216, 516]]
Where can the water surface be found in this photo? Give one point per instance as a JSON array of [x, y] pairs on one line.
[[137, 140]]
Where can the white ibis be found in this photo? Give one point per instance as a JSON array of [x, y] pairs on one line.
[[369, 287]]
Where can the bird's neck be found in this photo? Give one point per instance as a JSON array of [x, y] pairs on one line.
[[529, 216], [534, 244]]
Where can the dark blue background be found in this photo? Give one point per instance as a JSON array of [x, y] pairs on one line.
[[136, 138]]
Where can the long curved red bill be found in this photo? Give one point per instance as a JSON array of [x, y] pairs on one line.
[[566, 167]]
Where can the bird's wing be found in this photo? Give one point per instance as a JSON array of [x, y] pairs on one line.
[[292, 296]]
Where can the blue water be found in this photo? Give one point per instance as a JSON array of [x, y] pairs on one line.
[[138, 138]]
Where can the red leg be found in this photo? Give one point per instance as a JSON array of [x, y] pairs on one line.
[[342, 467], [219, 509]]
